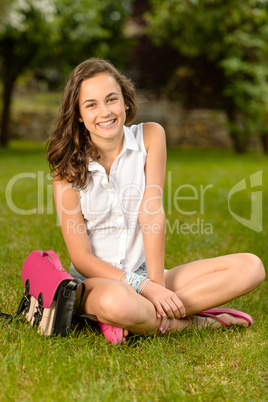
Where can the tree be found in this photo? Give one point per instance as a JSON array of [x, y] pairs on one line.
[[224, 44], [90, 28], [24, 28], [37, 32]]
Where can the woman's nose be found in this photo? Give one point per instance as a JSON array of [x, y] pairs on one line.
[[105, 110]]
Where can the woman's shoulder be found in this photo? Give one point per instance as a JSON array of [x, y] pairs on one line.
[[152, 133], [152, 127], [63, 185], [66, 196]]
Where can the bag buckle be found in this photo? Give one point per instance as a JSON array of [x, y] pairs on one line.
[[39, 311]]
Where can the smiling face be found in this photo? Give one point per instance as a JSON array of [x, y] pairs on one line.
[[102, 108]]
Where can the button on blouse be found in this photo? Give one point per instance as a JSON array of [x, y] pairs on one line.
[[111, 206]]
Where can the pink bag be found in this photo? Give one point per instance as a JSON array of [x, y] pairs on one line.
[[44, 272], [51, 296]]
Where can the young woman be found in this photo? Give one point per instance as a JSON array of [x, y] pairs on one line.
[[108, 185]]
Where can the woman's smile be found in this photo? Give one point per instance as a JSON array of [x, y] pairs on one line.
[[107, 124], [102, 108]]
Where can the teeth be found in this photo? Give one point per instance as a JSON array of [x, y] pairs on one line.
[[108, 123]]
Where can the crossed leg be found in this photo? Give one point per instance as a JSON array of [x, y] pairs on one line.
[[200, 285], [211, 282]]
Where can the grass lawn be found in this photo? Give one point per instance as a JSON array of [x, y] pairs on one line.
[[37, 101], [226, 364]]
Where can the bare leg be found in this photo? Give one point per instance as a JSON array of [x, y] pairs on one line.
[[118, 304], [200, 285], [211, 282]]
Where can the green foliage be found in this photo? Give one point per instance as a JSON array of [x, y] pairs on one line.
[[70, 30], [232, 37], [24, 29], [58, 34], [90, 28]]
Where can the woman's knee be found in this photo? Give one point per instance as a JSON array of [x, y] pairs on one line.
[[116, 303], [253, 269]]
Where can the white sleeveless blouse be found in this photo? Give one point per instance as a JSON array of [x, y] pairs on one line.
[[110, 206]]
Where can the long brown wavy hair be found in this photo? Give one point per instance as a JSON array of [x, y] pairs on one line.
[[70, 147]]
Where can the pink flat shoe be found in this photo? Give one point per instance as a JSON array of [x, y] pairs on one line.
[[213, 312], [111, 333]]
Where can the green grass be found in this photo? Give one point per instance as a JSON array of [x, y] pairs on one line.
[[226, 364]]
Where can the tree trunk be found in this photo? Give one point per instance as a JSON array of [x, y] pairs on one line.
[[14, 63], [7, 96], [8, 75], [240, 141], [264, 140]]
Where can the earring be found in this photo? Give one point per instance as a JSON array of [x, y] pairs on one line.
[[127, 107], [80, 119]]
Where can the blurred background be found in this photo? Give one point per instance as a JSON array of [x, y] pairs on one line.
[[200, 67]]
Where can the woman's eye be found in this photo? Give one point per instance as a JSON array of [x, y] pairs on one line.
[[112, 99], [91, 104]]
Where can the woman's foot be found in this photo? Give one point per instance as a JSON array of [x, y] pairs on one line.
[[215, 317], [125, 334], [227, 317], [113, 334], [219, 321]]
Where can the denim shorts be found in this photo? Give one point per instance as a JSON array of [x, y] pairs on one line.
[[142, 270], [73, 272]]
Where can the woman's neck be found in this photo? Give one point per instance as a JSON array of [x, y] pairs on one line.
[[108, 151]]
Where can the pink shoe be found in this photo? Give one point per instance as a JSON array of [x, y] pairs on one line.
[[213, 312], [111, 333]]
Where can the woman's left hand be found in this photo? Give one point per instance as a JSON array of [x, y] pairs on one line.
[[166, 302]]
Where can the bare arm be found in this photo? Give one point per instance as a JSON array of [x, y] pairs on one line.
[[152, 222], [74, 232], [152, 215]]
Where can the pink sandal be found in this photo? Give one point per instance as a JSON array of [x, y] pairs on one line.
[[111, 333], [213, 312]]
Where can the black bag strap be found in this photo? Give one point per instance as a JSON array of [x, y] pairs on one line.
[[71, 285], [7, 317], [81, 295], [24, 303]]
